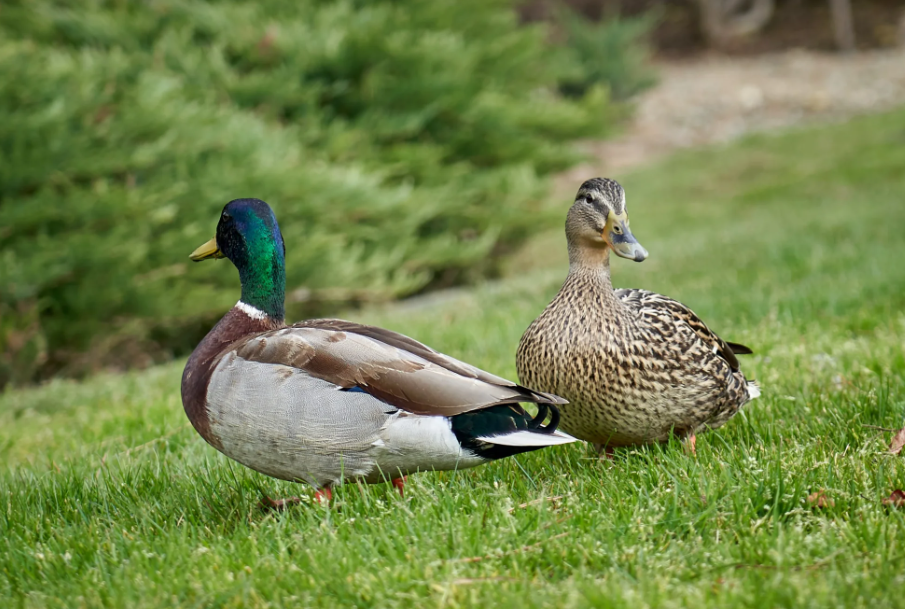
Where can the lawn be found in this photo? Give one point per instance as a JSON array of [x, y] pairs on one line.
[[792, 244]]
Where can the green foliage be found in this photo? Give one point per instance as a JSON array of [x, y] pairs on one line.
[[609, 53], [403, 145], [789, 244]]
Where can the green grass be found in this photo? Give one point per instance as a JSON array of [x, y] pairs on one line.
[[794, 245]]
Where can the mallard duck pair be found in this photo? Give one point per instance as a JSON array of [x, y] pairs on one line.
[[326, 401]]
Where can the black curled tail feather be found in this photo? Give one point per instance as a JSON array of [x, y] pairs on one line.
[[470, 427], [536, 423]]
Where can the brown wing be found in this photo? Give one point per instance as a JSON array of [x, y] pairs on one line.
[[679, 313], [389, 366], [405, 343]]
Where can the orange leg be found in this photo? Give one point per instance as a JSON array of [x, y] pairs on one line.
[[605, 452], [321, 494], [278, 504], [399, 483], [690, 443]]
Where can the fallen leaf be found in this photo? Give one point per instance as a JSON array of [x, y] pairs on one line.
[[896, 499], [898, 441], [819, 499]]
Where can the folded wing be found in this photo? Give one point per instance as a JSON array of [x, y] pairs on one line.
[[390, 366], [667, 308]]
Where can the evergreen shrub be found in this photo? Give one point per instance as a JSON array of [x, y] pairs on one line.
[[403, 145]]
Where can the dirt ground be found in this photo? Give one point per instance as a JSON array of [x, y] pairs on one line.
[[795, 24], [717, 98]]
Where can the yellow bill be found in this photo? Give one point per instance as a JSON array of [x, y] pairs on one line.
[[207, 251]]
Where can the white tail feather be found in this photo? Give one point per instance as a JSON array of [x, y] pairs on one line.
[[753, 390], [529, 438]]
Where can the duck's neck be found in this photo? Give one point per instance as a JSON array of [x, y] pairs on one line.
[[591, 266], [263, 278], [240, 321], [262, 271]]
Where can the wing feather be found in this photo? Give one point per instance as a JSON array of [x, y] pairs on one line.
[[389, 366], [680, 313]]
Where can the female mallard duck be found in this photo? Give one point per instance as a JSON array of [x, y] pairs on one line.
[[328, 400], [634, 366]]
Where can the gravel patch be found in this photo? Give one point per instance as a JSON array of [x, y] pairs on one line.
[[717, 99]]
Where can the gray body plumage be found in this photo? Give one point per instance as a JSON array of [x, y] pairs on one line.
[[285, 423], [327, 401]]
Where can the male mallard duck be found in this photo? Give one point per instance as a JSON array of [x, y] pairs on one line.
[[328, 400], [634, 366]]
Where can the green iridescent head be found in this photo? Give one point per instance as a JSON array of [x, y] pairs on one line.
[[248, 234]]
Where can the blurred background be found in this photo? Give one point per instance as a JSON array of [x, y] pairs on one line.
[[405, 146]]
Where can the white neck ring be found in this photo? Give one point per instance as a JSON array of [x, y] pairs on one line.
[[251, 311]]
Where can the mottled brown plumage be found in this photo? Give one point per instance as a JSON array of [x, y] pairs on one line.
[[635, 366]]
